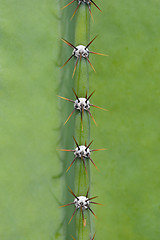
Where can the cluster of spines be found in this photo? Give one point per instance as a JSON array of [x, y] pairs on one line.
[[82, 203], [82, 152], [81, 104], [80, 52], [88, 2]]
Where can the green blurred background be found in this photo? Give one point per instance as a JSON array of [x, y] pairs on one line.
[[126, 83]]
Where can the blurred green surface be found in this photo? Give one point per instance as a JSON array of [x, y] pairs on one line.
[[126, 83], [28, 120]]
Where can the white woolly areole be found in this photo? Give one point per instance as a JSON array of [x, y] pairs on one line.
[[84, 1], [80, 50], [82, 151], [82, 202], [82, 103]]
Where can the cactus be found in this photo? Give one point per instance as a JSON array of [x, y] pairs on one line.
[[79, 176]]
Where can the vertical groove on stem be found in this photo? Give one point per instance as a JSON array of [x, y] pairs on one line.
[[67, 31], [81, 83]]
